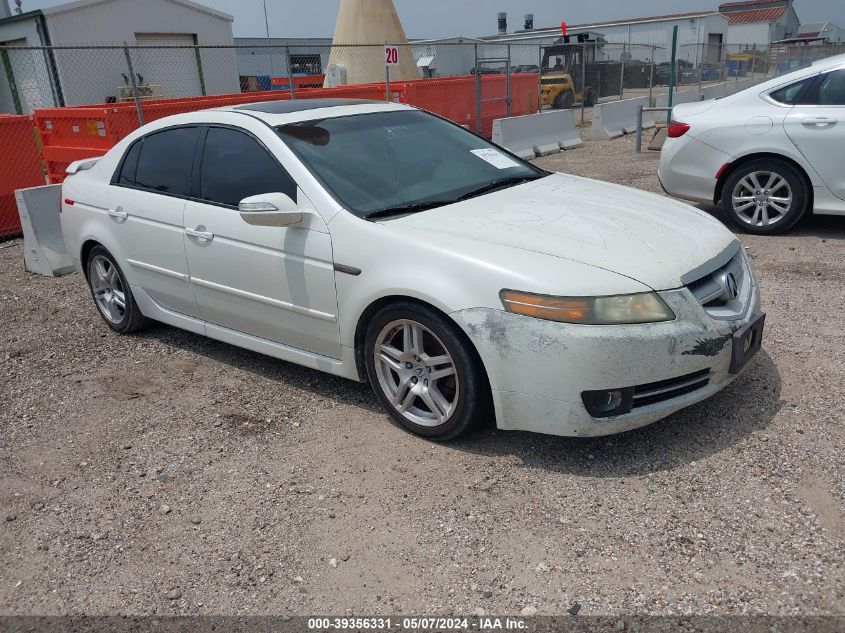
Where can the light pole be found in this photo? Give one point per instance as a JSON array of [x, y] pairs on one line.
[[270, 50]]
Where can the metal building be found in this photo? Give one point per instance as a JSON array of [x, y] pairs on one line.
[[39, 78], [641, 37], [446, 56], [821, 33], [760, 22], [259, 57]]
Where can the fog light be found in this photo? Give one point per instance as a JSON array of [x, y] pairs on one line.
[[608, 402]]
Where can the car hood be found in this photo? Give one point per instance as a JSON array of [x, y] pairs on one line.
[[650, 238]]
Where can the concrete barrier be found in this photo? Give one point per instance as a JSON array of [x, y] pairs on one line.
[[537, 134], [615, 118], [688, 96], [44, 250], [714, 92]]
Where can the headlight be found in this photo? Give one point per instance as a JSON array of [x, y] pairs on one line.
[[644, 307]]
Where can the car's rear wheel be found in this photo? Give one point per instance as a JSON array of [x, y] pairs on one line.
[[424, 372], [112, 294], [765, 196]]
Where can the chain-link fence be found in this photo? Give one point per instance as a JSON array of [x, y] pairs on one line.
[[34, 78], [38, 78], [84, 99], [703, 63]]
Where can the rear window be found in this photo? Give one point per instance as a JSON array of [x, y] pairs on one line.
[[130, 164]]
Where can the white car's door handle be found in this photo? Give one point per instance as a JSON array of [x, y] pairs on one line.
[[201, 235], [118, 214], [819, 123]]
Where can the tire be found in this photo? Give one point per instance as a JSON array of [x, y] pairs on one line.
[[109, 289], [461, 398], [563, 101], [589, 97], [775, 205]]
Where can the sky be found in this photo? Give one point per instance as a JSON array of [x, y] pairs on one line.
[[440, 18]]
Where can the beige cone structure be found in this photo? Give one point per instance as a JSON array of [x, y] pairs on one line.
[[368, 22]]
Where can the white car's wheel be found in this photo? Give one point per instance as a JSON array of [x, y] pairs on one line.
[[111, 293], [764, 196], [424, 372]]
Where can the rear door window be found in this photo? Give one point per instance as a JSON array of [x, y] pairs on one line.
[[165, 161], [827, 90], [832, 89]]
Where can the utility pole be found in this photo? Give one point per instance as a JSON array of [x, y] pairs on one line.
[[270, 50], [672, 72]]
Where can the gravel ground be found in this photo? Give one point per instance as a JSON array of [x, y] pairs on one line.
[[167, 473]]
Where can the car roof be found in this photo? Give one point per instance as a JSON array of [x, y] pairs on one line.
[[273, 113], [283, 111], [298, 105]]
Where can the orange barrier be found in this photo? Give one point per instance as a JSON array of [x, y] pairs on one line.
[[454, 98], [20, 167], [69, 134], [74, 133], [308, 81]]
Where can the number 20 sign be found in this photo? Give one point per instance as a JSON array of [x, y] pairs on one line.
[[391, 55]]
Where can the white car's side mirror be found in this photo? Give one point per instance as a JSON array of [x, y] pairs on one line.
[[270, 209]]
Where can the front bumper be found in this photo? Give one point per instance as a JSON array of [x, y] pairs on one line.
[[539, 369]]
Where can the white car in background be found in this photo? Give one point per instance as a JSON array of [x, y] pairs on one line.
[[378, 242], [768, 154]]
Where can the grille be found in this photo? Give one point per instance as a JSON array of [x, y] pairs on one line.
[[708, 284], [663, 390]]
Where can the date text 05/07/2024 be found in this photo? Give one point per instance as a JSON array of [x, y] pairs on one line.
[[480, 623]]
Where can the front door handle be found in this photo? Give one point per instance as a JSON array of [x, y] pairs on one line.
[[201, 235], [819, 123], [118, 214]]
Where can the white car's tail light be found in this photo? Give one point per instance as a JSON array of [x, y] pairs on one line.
[[677, 129]]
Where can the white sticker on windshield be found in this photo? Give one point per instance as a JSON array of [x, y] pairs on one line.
[[495, 158]]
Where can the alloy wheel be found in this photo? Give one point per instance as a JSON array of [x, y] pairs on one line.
[[762, 198], [416, 373], [107, 288]]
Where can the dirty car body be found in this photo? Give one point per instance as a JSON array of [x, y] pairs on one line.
[[575, 307]]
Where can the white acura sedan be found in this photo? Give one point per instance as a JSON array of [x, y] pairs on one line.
[[378, 242], [768, 154]]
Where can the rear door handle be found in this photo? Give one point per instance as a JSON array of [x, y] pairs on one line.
[[202, 235], [819, 123], [118, 214]]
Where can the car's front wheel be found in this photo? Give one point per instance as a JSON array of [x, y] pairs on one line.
[[563, 101], [424, 372], [111, 293], [765, 196]]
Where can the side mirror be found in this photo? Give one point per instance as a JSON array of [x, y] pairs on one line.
[[270, 209]]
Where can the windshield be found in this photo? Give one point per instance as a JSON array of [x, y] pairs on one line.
[[403, 160]]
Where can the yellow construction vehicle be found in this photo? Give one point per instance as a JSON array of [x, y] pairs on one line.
[[561, 71]]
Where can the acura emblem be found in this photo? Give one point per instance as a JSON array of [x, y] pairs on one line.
[[730, 290]]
